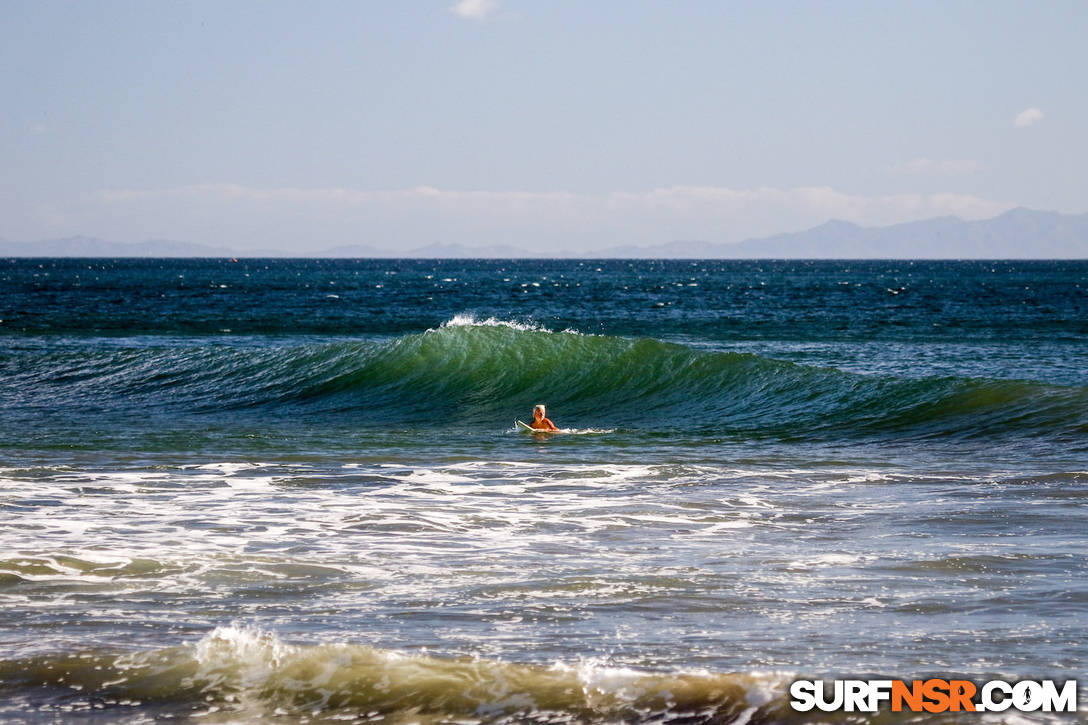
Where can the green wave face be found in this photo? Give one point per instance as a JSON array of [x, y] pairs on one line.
[[485, 374]]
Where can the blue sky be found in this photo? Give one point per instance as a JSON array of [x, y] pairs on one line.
[[573, 125]]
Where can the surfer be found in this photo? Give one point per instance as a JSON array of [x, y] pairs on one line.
[[540, 422]]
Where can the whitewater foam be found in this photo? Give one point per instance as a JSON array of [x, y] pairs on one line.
[[542, 557], [470, 320]]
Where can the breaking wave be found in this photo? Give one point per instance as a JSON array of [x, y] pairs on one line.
[[487, 372], [245, 674]]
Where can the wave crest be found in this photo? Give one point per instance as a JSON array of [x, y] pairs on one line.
[[485, 372], [469, 320], [251, 674]]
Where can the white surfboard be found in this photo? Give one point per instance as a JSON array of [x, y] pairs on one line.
[[523, 427], [526, 428]]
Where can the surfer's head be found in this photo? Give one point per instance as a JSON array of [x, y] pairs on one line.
[[538, 411]]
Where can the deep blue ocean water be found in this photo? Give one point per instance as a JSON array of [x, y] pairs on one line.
[[273, 490]]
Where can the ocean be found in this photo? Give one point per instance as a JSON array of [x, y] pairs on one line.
[[292, 490]]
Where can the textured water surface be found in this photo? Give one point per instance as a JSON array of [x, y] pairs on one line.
[[287, 490]]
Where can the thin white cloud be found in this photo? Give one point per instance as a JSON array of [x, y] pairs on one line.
[[294, 217], [475, 9], [929, 167], [1027, 117], [497, 201]]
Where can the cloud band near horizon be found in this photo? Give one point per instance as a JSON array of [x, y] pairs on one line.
[[292, 216]]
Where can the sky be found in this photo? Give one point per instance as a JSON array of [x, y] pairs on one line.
[[558, 124]]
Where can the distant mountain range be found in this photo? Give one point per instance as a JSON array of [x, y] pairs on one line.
[[91, 247], [1016, 234]]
